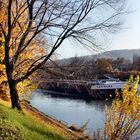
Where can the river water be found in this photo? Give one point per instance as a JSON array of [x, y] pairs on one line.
[[71, 111]]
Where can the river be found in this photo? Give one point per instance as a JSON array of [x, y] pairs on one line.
[[71, 111]]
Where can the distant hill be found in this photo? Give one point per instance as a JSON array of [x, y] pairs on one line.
[[126, 53]]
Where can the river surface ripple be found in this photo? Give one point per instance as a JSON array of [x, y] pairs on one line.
[[71, 111]]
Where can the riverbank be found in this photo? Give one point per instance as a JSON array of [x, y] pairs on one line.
[[33, 124]]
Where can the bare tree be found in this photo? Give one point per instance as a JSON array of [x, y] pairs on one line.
[[58, 20]]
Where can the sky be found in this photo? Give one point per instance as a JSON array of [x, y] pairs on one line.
[[127, 38]]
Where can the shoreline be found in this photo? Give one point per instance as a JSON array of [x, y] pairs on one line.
[[48, 119], [74, 134]]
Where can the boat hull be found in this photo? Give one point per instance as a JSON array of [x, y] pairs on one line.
[[99, 89], [81, 92]]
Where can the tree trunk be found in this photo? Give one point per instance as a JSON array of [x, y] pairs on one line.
[[14, 94]]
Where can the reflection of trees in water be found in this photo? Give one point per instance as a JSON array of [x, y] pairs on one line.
[[99, 105]]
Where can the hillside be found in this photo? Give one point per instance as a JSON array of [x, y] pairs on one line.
[[125, 53]]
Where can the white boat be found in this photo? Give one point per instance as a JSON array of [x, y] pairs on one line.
[[107, 87], [108, 84]]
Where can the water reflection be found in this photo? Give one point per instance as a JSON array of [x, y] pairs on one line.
[[71, 111]]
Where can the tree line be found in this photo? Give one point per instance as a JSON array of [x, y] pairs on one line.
[[78, 68]]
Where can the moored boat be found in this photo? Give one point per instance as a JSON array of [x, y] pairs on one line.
[[106, 88]]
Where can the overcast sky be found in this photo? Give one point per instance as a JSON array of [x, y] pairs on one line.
[[128, 38]]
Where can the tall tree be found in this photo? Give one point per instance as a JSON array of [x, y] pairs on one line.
[[58, 20], [103, 66], [24, 61]]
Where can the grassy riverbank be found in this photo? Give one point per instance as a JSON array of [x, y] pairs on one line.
[[32, 125]]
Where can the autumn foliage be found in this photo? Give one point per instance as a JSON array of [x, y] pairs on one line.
[[122, 119], [26, 58]]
